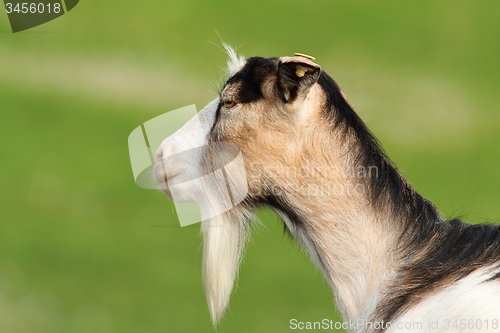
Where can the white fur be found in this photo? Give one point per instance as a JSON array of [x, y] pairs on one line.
[[193, 134], [178, 157], [472, 300], [235, 61], [223, 244]]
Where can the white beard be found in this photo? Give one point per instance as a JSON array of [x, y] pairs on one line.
[[224, 238]]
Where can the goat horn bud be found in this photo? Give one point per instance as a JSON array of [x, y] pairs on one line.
[[304, 56]]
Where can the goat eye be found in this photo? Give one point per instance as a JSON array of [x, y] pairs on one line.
[[229, 104]]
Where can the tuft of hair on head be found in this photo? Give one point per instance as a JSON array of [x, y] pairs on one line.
[[235, 61]]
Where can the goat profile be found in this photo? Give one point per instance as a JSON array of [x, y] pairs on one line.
[[387, 253]]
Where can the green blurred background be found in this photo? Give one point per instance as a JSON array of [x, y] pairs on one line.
[[83, 249]]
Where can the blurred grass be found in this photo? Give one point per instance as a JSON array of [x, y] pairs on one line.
[[82, 249]]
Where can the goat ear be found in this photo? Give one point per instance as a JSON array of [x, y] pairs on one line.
[[296, 75]]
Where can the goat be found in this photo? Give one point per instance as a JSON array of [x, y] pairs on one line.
[[387, 253]]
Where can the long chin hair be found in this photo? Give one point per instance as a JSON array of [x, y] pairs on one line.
[[224, 239]]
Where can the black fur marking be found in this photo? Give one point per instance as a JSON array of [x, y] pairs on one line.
[[250, 78], [388, 187], [290, 85], [280, 203], [495, 277], [217, 115]]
